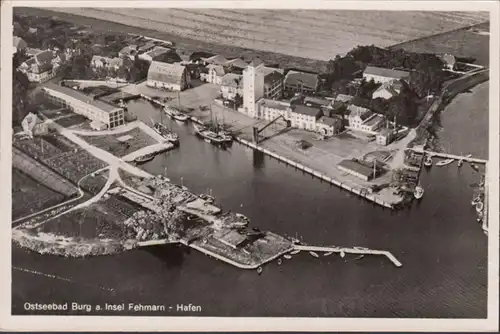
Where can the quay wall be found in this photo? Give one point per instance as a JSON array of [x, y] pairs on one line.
[[369, 197]]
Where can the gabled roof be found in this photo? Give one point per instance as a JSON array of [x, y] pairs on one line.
[[19, 43], [357, 111], [164, 72], [343, 98], [232, 80], [275, 104], [317, 101], [219, 70], [256, 62], [272, 78], [269, 70], [41, 68], [216, 60], [157, 51], [146, 47], [44, 57], [392, 87], [304, 110], [296, 78], [386, 72], [237, 62]]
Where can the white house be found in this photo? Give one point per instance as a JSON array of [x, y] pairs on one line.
[[329, 126], [39, 68], [381, 75], [270, 109], [215, 74], [388, 90], [231, 84], [304, 117]]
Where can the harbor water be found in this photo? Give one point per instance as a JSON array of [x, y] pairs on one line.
[[442, 248]]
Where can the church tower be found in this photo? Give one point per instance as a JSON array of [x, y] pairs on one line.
[[253, 88]]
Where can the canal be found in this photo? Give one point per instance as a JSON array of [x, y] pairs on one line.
[[442, 248]]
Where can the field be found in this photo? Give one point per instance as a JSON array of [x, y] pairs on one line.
[[29, 196], [461, 43], [303, 33]]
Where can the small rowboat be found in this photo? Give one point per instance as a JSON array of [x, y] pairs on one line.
[[288, 257], [479, 206], [328, 254], [280, 262], [145, 158], [259, 270], [444, 162], [342, 254], [295, 252], [314, 254]]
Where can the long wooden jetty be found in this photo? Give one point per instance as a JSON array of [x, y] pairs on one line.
[[343, 250], [449, 156]]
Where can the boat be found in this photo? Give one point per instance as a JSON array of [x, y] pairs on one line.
[[418, 193], [479, 207], [259, 270], [468, 156], [460, 163], [163, 131], [359, 257], [297, 251], [328, 254], [314, 254], [342, 254], [239, 215], [444, 162], [209, 136], [476, 200], [175, 114], [288, 257], [144, 158], [207, 198], [475, 167], [280, 262], [428, 161]]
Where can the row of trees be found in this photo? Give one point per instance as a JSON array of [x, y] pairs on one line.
[[20, 85]]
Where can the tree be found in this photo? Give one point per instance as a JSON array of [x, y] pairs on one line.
[[238, 100], [20, 84]]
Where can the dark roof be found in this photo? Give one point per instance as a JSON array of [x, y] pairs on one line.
[[216, 60], [375, 119], [19, 43], [316, 101], [44, 57], [157, 51], [386, 72], [232, 80], [164, 72], [237, 62], [304, 110], [147, 46], [272, 78], [361, 112], [81, 96], [295, 78], [197, 55], [44, 67], [275, 104], [331, 121], [357, 167]]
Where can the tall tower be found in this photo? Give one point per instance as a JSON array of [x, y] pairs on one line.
[[253, 88]]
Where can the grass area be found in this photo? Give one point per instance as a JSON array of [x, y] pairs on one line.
[[30, 196], [110, 143]]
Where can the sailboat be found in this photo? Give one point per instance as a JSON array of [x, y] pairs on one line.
[[163, 131], [444, 162], [428, 161]]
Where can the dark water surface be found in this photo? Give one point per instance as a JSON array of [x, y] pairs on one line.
[[442, 248]]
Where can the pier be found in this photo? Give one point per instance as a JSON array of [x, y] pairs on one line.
[[361, 251], [449, 156]]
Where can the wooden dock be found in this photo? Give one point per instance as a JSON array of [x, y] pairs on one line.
[[449, 156], [361, 251]]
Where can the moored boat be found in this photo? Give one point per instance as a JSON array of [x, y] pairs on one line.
[[479, 207], [476, 200], [328, 254], [460, 163], [314, 254], [444, 162], [428, 161], [297, 251], [145, 158], [259, 270], [475, 167], [163, 131], [175, 114], [418, 193], [209, 136], [288, 257]]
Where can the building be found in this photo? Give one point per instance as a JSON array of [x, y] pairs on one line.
[[388, 90], [33, 126], [329, 126], [150, 55], [168, 76], [372, 123], [236, 63], [344, 98], [146, 47], [253, 88], [301, 82], [318, 102], [273, 85], [381, 75], [449, 61], [231, 85], [358, 169], [385, 136], [357, 116], [215, 60], [215, 74], [129, 51], [270, 109], [39, 68], [102, 114], [303, 117], [98, 62], [19, 44]]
